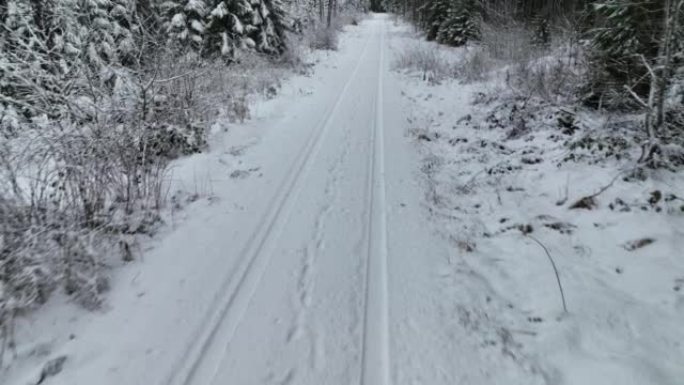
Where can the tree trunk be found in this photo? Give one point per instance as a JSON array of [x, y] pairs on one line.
[[671, 25], [660, 80], [331, 4]]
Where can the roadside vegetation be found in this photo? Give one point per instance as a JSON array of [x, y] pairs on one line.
[[611, 56], [552, 143], [97, 97]]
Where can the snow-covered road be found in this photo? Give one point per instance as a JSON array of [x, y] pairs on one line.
[[310, 301]]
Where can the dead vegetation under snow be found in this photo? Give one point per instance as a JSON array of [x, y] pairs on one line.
[[515, 171], [78, 194]]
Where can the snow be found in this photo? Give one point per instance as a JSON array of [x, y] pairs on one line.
[[197, 26], [625, 306], [178, 20], [220, 11], [195, 6], [237, 25], [351, 232]]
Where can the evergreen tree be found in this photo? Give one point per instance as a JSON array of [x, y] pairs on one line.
[[39, 55], [124, 29], [432, 14], [97, 33], [627, 37], [55, 51], [226, 27], [461, 24], [245, 24], [185, 23], [273, 37], [453, 22]]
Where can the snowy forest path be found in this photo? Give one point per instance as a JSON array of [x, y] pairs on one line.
[[302, 262], [326, 301], [200, 365]]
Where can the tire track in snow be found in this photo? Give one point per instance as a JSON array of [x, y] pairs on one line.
[[203, 356], [306, 283], [375, 359]]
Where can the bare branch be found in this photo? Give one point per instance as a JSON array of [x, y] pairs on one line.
[[637, 98], [555, 270]]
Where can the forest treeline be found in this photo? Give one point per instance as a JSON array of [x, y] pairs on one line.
[[634, 51]]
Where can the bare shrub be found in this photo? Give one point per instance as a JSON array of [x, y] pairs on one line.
[[475, 65], [426, 60], [80, 184], [324, 38], [348, 17], [511, 43], [531, 69], [256, 74], [553, 79], [293, 56], [66, 196], [316, 34]]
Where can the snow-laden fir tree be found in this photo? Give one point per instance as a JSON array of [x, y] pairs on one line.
[[185, 23], [273, 36], [626, 38], [246, 24], [15, 18], [41, 47], [452, 22], [97, 31], [432, 15], [226, 29], [125, 27], [461, 24], [56, 51]]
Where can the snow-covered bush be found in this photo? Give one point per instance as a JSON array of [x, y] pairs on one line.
[[67, 200], [324, 38], [96, 97], [349, 15], [553, 78], [508, 43], [76, 171], [476, 65], [531, 64], [432, 65], [317, 34]]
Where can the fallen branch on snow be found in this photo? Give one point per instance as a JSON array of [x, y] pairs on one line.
[[555, 270], [589, 202]]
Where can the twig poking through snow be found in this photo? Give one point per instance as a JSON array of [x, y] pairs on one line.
[[51, 369], [564, 198], [589, 202], [555, 270]]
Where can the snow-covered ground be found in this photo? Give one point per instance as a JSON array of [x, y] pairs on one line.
[[361, 229], [501, 180]]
